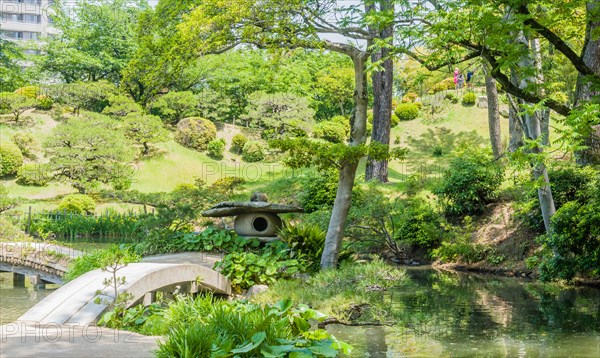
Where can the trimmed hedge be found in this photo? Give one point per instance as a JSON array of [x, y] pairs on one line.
[[253, 152], [330, 131], [11, 159], [407, 111], [77, 204], [195, 133]]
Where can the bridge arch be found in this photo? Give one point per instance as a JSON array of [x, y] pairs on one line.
[[75, 302]]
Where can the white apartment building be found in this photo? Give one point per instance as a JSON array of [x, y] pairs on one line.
[[26, 21]]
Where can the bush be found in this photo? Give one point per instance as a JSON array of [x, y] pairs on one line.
[[33, 175], [216, 148], [253, 152], [330, 131], [238, 142], [469, 99], [29, 91], [573, 245], [395, 120], [318, 191], [451, 96], [407, 111], [11, 159], [470, 182], [77, 204], [44, 103], [568, 183], [26, 143], [195, 133]]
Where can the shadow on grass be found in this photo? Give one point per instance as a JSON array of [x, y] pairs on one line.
[[440, 142]]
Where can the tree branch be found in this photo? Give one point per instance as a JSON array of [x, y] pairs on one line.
[[558, 43]]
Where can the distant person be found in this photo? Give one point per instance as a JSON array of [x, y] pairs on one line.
[[460, 81], [456, 73], [470, 74]]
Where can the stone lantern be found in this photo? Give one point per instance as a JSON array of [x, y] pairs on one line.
[[255, 218]]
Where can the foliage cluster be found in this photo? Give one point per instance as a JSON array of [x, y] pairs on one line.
[[470, 182], [238, 142], [469, 99], [99, 259], [331, 131], [407, 111], [195, 133], [34, 174], [11, 159], [253, 151], [77, 204], [216, 147]]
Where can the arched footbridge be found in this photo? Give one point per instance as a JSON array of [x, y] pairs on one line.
[[49, 262], [76, 302]]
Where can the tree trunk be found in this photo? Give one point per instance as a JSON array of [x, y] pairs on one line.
[[383, 82], [343, 199], [515, 122], [493, 113], [586, 88], [534, 131], [544, 114]]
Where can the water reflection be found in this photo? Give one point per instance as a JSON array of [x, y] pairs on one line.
[[456, 315], [14, 301]]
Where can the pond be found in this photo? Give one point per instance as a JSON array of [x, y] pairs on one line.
[[443, 314], [14, 301]]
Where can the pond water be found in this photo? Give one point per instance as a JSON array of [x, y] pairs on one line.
[[442, 314], [14, 301]]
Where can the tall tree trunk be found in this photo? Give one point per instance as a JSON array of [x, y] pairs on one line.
[[544, 114], [493, 112], [343, 198], [515, 126], [383, 82], [586, 87], [534, 131]]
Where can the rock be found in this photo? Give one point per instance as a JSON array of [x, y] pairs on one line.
[[255, 290], [230, 208], [482, 102], [256, 196], [504, 113]]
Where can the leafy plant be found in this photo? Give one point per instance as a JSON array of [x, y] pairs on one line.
[[264, 266], [26, 143], [306, 241], [100, 259], [33, 175], [331, 131]]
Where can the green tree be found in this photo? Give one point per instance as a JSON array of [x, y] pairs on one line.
[[279, 112], [144, 129], [96, 39], [88, 151], [17, 104], [11, 76], [174, 106]]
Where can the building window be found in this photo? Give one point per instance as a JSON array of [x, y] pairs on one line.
[[20, 35]]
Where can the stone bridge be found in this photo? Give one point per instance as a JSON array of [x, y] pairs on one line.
[[42, 262], [76, 302]]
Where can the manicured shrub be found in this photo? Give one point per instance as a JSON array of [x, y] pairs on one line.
[[470, 182], [395, 120], [418, 104], [407, 111], [330, 131], [195, 133], [253, 151], [26, 143], [33, 175], [77, 204], [469, 99], [11, 159], [44, 103], [120, 106], [29, 91], [238, 142], [216, 148]]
